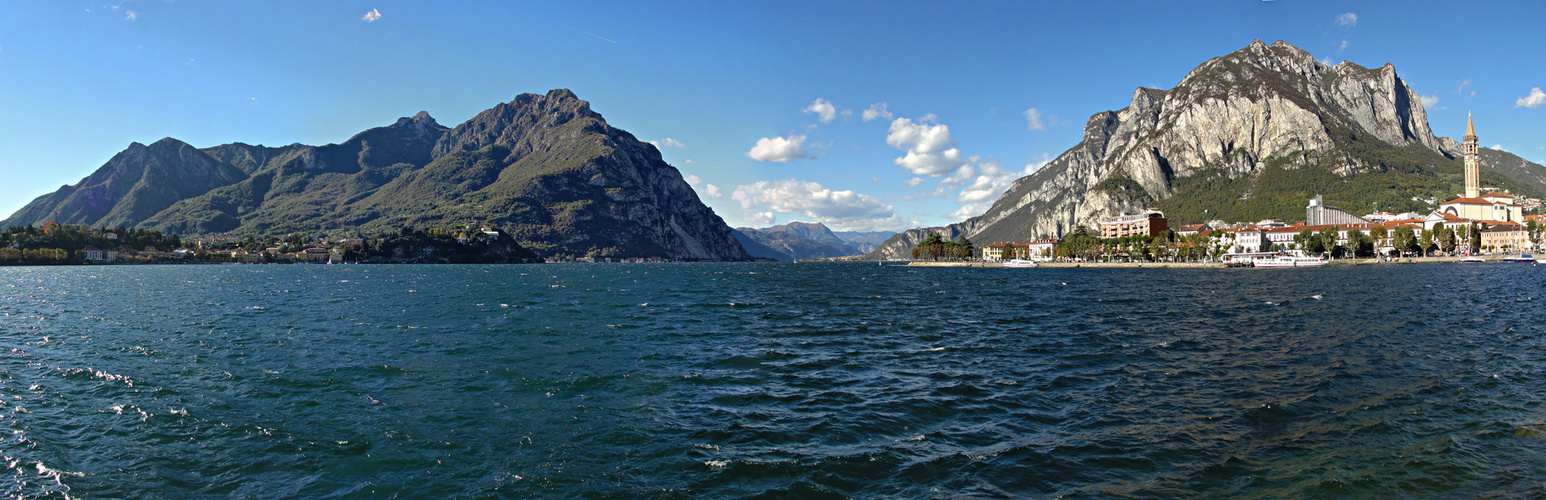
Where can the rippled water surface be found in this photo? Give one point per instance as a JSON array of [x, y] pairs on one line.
[[776, 380]]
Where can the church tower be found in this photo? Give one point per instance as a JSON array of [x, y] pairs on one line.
[[1473, 176]]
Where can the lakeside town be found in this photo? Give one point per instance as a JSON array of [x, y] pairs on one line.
[[1472, 224]]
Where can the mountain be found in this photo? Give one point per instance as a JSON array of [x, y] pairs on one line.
[[794, 241], [136, 183], [864, 241], [546, 169], [1250, 135]]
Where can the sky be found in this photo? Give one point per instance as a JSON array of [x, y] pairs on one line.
[[860, 115]]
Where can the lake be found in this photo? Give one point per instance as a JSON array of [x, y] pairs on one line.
[[771, 380]]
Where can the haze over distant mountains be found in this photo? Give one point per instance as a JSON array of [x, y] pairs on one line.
[[804, 241], [545, 168], [1245, 136]]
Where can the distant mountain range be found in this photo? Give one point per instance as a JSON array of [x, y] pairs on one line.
[[805, 241], [1246, 136], [545, 168]]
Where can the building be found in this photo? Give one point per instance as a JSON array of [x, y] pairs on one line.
[[1003, 251], [1191, 229], [1492, 206], [1473, 176], [1318, 214], [1148, 224], [1043, 249], [1505, 237]]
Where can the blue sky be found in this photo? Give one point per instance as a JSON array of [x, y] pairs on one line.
[[761, 105]]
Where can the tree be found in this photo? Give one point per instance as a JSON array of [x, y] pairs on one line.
[[1357, 244], [1328, 239], [1404, 239], [1379, 236], [1447, 239], [1425, 241], [1463, 237], [1476, 236]]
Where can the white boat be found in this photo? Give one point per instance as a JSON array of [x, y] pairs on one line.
[[1471, 259], [1522, 259], [1019, 263], [1288, 261]]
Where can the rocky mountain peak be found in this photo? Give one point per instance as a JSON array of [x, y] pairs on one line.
[[520, 121], [420, 120]]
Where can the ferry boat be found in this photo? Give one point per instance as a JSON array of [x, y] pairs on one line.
[[1522, 259], [1019, 263], [1288, 261]]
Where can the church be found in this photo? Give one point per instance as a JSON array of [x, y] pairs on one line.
[[1490, 208]]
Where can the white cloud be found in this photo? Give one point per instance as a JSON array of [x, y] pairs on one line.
[[1460, 88], [689, 162], [130, 15], [693, 180], [913, 182], [1033, 119], [713, 191], [668, 142], [371, 16], [1429, 100], [823, 109], [1347, 20], [1498, 147], [1342, 47], [842, 210], [1534, 100], [926, 146], [779, 149], [992, 181], [761, 218], [877, 110]]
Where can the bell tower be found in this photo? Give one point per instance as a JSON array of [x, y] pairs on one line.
[[1473, 176]]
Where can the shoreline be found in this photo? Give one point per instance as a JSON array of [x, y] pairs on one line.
[[1196, 265]]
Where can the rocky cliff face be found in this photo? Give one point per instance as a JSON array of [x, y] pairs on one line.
[[545, 168], [1229, 118]]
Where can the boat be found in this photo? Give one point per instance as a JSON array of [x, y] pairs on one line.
[[1288, 262], [1471, 259], [1522, 259], [1019, 263]]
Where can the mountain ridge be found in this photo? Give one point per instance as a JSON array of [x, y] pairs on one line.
[[1258, 130], [546, 168]]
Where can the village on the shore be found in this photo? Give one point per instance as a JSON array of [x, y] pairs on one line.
[[1481, 222]]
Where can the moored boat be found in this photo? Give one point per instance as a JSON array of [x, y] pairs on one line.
[[1522, 259], [1288, 261], [1019, 263], [1471, 259]]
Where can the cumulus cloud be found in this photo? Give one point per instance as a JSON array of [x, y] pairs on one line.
[[693, 180], [987, 185], [1033, 119], [842, 210], [822, 109], [913, 182], [1347, 20], [928, 146], [689, 162], [877, 110], [1429, 100], [130, 15], [668, 142], [371, 16], [779, 149], [712, 191], [1534, 100]]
